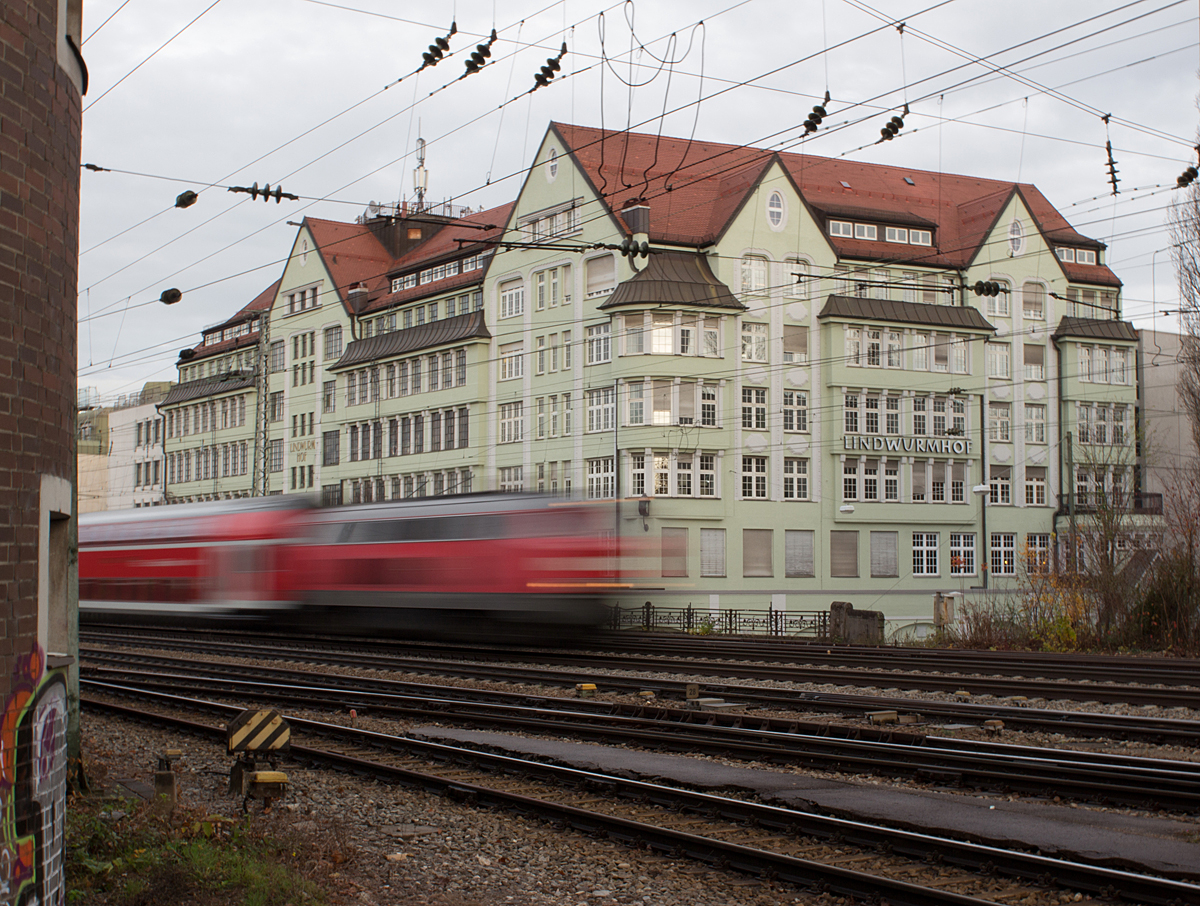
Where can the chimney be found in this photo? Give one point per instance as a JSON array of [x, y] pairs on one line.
[[358, 297], [637, 215]]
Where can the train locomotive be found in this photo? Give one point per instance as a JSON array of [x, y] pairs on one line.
[[501, 567]]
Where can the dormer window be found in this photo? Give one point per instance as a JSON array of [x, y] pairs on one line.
[[896, 234], [1075, 256], [841, 228], [865, 231]]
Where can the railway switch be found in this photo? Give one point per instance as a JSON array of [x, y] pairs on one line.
[[585, 690], [258, 735]]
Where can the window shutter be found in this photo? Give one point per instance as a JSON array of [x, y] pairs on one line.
[[918, 480], [843, 554], [1035, 355], [674, 551], [960, 471], [601, 273], [712, 552], [885, 557], [1035, 472], [798, 554], [756, 552]]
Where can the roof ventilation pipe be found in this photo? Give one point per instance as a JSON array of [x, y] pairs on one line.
[[357, 297]]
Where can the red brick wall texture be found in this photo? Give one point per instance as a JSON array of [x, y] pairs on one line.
[[40, 119]]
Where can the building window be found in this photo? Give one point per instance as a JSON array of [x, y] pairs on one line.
[[865, 231], [333, 343], [275, 455], [754, 342], [997, 305], [962, 553], [754, 408], [885, 555], [795, 479], [756, 553], [795, 410], [1000, 484], [754, 274], [600, 477], [510, 363], [754, 477], [1033, 301], [712, 552], [598, 348], [1038, 546], [708, 406], [1035, 486], [674, 551], [998, 356], [841, 228], [1035, 423], [511, 423], [601, 274], [843, 555], [1035, 363], [600, 409], [775, 210], [925, 553], [683, 475], [708, 475], [999, 422], [512, 480], [1083, 423], [278, 357], [1004, 554], [850, 480], [850, 413], [636, 411], [798, 554], [512, 299]]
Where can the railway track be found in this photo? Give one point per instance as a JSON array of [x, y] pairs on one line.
[[813, 852], [1107, 779], [1015, 713]]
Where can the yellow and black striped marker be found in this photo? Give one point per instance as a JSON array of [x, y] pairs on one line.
[[262, 731]]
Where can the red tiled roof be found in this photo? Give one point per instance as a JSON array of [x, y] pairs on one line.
[[353, 254], [694, 189], [261, 302]]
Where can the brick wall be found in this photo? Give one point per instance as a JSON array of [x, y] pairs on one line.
[[40, 118], [39, 241]]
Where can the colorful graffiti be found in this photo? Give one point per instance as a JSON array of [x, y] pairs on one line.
[[33, 785]]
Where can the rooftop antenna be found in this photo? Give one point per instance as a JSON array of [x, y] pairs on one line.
[[420, 175]]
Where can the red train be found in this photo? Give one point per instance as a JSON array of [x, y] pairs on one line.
[[487, 566]]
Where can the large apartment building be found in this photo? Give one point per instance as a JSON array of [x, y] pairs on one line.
[[827, 380]]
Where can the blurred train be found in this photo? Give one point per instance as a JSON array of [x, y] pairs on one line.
[[511, 567]]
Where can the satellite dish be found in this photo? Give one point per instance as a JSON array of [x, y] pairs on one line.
[[373, 208]]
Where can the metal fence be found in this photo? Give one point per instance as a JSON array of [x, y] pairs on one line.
[[812, 624]]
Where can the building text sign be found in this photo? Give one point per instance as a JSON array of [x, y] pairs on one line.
[[943, 446]]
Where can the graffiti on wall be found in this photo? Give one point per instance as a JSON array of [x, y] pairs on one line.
[[33, 785]]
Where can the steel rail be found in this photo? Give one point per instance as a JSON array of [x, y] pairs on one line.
[[1121, 779], [811, 875], [1082, 723], [1055, 690]]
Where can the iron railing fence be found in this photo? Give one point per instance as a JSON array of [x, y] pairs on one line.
[[811, 624]]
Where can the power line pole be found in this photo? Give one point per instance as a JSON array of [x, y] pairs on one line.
[[262, 374]]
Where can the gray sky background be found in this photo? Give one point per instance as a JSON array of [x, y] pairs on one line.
[[295, 93]]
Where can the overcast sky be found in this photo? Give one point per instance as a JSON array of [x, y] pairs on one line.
[[305, 94]]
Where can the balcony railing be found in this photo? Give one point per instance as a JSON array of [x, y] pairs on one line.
[[1136, 504]]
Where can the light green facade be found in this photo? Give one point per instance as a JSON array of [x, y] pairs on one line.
[[755, 480]]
